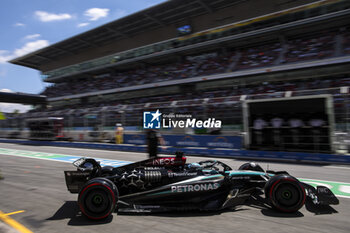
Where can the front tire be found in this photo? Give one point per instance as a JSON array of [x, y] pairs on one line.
[[97, 198], [285, 193]]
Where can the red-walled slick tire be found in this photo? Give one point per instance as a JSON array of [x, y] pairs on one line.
[[285, 193], [98, 198]]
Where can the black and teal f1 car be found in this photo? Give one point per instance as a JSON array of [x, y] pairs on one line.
[[169, 183]]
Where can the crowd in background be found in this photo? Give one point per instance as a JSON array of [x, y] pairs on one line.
[[294, 50], [259, 56], [312, 48], [195, 99]]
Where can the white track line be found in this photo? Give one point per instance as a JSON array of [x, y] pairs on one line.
[[104, 151], [23, 156], [337, 167], [325, 181], [124, 152]]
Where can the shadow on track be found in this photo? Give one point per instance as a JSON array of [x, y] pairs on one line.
[[267, 211], [197, 213], [309, 206], [180, 213], [70, 210], [319, 210], [274, 213]]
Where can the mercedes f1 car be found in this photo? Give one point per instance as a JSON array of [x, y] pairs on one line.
[[169, 183]]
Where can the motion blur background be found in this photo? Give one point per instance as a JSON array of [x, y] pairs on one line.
[[207, 58]]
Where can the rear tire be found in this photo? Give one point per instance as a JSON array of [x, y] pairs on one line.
[[285, 193], [98, 198]]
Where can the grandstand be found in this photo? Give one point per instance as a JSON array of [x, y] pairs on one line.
[[229, 52]]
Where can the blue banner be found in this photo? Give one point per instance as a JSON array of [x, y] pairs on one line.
[[209, 141]]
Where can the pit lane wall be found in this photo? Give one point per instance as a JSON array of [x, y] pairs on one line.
[[205, 152], [208, 141]]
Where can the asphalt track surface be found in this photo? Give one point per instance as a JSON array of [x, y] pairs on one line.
[[38, 188]]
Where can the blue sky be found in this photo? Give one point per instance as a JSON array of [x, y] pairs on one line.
[[30, 25]]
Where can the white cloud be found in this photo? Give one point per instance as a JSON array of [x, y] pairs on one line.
[[9, 107], [96, 13], [6, 90], [31, 37], [26, 48], [48, 17], [82, 25], [19, 25], [30, 47]]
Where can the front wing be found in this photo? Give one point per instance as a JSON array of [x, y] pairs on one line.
[[320, 195]]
